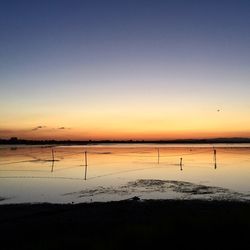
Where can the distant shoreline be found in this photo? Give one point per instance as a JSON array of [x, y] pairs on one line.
[[16, 141]]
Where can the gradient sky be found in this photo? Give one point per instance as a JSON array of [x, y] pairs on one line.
[[124, 69]]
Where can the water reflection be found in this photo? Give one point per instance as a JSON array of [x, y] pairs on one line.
[[52, 166], [43, 174], [215, 161], [181, 164]]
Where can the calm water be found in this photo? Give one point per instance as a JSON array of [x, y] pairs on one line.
[[116, 172]]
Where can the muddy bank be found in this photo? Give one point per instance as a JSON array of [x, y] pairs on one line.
[[172, 188], [126, 225]]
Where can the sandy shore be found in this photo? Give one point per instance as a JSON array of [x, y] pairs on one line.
[[126, 225]]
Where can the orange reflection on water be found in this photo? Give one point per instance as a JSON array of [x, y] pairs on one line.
[[29, 174]]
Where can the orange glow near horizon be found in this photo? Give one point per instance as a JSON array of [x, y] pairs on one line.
[[138, 119], [129, 125], [147, 123]]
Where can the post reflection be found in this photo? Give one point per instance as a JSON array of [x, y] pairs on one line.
[[215, 159], [85, 172], [118, 165], [52, 166]]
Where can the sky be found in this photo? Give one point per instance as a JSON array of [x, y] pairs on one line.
[[134, 69]]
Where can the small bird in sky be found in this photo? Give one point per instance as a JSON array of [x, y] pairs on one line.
[[218, 110]]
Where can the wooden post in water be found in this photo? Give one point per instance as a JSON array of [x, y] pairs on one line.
[[181, 164], [215, 162], [158, 151], [86, 160], [86, 165]]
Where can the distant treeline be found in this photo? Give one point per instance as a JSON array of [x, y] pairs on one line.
[[16, 141]]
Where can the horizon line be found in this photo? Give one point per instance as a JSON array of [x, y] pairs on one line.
[[13, 140]]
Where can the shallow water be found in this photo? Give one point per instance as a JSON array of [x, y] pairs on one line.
[[116, 172]]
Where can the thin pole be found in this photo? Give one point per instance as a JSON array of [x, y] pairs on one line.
[[215, 161], [86, 165], [181, 164], [86, 160]]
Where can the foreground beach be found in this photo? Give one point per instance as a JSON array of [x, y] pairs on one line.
[[126, 224]]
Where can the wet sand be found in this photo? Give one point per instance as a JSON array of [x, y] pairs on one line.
[[127, 224]]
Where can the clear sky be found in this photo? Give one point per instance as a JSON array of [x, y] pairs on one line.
[[118, 69]]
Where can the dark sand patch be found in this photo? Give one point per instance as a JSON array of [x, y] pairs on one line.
[[3, 198], [187, 190]]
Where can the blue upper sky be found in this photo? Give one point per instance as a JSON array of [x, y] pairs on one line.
[[66, 33]]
